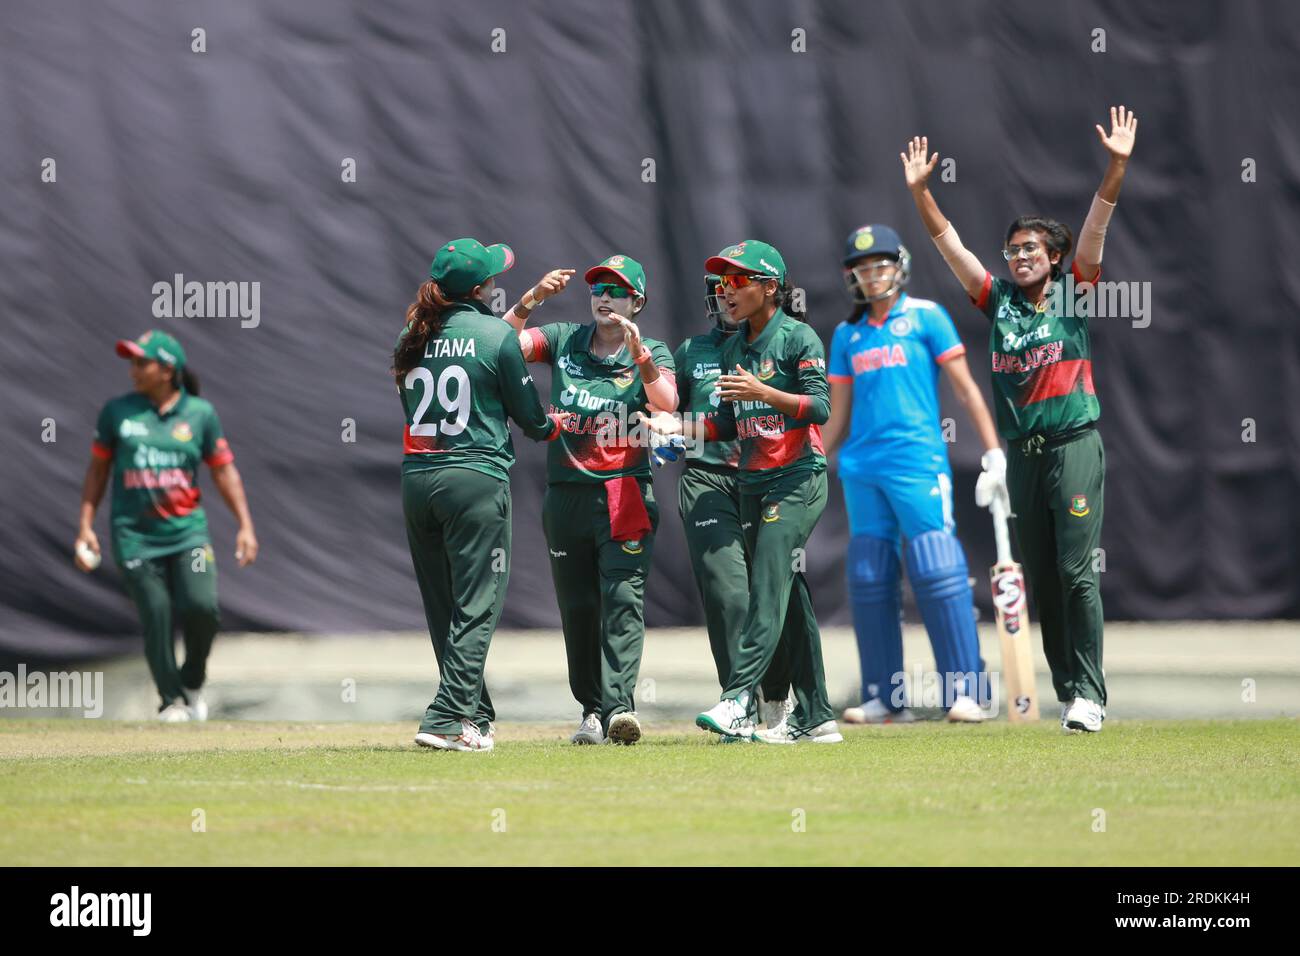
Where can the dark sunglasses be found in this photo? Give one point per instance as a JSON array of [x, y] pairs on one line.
[[611, 289]]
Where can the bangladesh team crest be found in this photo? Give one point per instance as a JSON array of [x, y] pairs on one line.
[[1079, 506], [772, 512], [183, 432], [633, 547], [766, 369], [624, 379]]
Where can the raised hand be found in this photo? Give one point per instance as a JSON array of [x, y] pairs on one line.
[[915, 167], [1123, 130], [552, 283], [631, 337]]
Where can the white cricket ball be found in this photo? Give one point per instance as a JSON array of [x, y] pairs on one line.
[[89, 557]]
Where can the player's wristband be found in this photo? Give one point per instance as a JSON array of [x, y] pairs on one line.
[[529, 302]]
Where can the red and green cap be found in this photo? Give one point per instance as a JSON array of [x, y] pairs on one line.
[[624, 269], [155, 345], [462, 264], [750, 256]]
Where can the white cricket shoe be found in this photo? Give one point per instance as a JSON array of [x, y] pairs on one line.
[[198, 704], [874, 711], [965, 710], [624, 729], [825, 733], [175, 713], [775, 713], [469, 740], [1083, 715], [589, 731], [726, 717]]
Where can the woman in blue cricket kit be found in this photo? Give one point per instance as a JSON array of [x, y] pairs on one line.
[[893, 466]]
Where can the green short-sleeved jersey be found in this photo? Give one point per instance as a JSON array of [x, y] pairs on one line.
[[1041, 364], [598, 395], [155, 507], [459, 400], [699, 363], [788, 356]]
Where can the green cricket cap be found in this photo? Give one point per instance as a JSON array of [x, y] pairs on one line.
[[155, 345], [751, 256], [462, 264], [625, 270]]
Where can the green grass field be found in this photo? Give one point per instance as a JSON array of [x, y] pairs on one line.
[[1172, 793]]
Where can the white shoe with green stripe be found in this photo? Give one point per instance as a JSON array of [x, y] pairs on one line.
[[728, 718], [824, 733]]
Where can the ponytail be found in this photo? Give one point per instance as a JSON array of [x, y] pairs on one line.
[[424, 319], [186, 379]]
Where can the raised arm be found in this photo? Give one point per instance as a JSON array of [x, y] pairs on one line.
[[968, 270], [550, 284], [1123, 133]]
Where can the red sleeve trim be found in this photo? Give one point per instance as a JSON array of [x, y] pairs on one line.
[[802, 410], [541, 352], [985, 289], [949, 354], [221, 455], [839, 378], [1078, 276], [710, 430], [100, 451]]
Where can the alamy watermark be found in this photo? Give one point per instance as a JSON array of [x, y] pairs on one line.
[[62, 689], [208, 300]]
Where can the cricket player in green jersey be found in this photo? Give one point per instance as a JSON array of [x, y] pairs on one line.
[[599, 513], [774, 399], [462, 379], [151, 442], [708, 498], [1047, 410]]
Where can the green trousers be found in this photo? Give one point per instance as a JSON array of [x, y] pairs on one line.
[[709, 502], [600, 587], [778, 520], [458, 528], [180, 586], [1057, 497]]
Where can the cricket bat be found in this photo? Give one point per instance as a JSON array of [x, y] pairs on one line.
[[1012, 612]]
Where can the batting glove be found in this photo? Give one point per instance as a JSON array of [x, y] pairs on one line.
[[993, 480], [666, 448]]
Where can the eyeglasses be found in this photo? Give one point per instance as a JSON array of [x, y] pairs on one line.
[[739, 280], [1029, 249], [611, 289]]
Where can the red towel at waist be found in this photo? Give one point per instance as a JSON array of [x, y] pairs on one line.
[[628, 519]]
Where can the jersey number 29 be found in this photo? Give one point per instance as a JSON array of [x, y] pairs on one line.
[[456, 410]]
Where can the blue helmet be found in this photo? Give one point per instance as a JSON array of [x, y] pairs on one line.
[[875, 240]]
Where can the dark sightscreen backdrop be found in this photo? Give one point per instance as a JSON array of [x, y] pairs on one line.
[[227, 165]]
